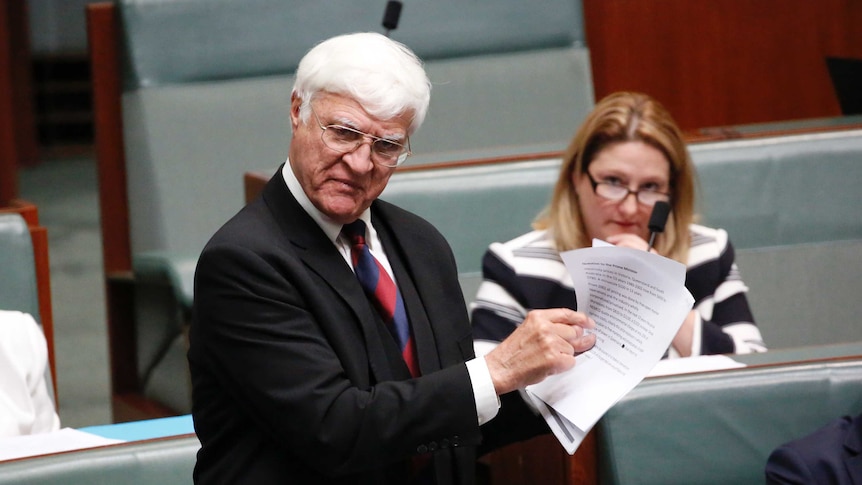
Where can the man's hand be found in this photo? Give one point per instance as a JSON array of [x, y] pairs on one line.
[[544, 344]]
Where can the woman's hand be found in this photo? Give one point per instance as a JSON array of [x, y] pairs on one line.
[[627, 240]]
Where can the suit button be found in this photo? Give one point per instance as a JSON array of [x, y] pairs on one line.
[[432, 446], [422, 449], [456, 440]]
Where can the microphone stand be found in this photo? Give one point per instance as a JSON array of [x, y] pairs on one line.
[[657, 220], [391, 16]]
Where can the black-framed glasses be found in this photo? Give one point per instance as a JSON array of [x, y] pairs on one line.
[[344, 139], [613, 190]]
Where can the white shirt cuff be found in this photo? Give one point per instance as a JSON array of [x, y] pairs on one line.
[[487, 401], [697, 335]]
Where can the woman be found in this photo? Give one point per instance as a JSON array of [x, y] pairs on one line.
[[628, 155]]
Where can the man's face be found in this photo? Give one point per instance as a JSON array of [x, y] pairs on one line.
[[340, 185]]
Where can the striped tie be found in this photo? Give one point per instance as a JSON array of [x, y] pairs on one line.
[[381, 290]]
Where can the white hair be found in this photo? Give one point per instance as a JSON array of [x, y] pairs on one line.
[[382, 75]]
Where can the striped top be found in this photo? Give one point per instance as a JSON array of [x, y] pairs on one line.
[[527, 273]]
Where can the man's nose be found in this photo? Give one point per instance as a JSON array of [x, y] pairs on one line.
[[360, 158]]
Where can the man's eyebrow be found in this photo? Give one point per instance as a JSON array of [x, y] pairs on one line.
[[349, 123], [346, 122]]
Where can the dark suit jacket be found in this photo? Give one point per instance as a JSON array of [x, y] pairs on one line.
[[830, 455], [295, 378]]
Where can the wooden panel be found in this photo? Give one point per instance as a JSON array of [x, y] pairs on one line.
[[17, 124], [135, 407], [724, 62], [543, 460], [8, 143], [103, 32], [104, 51]]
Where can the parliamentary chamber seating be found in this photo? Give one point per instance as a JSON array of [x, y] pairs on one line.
[[191, 94], [182, 113], [790, 205]]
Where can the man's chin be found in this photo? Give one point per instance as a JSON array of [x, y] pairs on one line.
[[342, 211]]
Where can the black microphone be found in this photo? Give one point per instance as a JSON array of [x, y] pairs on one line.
[[391, 15], [657, 220]]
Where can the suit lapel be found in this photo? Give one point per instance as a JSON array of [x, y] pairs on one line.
[[379, 344], [406, 277]]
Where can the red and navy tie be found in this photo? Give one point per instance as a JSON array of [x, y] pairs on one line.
[[381, 290]]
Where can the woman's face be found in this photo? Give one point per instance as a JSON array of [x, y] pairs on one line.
[[633, 165]]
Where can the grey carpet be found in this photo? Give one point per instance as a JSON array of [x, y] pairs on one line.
[[65, 191]]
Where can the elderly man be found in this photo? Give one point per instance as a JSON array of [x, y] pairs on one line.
[[330, 341]]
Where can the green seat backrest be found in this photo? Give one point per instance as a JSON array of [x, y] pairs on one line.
[[804, 294], [474, 206], [783, 190], [18, 289], [719, 428], [170, 42]]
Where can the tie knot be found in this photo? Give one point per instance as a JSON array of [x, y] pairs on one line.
[[355, 231]]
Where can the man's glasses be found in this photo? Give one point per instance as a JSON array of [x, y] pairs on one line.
[[343, 139], [613, 190]]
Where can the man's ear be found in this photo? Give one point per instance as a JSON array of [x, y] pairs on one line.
[[295, 104]]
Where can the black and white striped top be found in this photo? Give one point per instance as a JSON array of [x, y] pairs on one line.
[[527, 273]]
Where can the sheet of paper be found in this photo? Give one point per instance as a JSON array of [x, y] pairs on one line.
[[569, 435], [639, 301], [66, 439]]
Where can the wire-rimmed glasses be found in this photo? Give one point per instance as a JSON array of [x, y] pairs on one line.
[[344, 139]]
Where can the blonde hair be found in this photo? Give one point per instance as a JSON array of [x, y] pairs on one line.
[[618, 118]]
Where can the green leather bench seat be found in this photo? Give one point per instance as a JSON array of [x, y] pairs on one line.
[[719, 428], [152, 462]]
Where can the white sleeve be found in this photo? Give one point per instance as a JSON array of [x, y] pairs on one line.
[[26, 405], [487, 401]]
